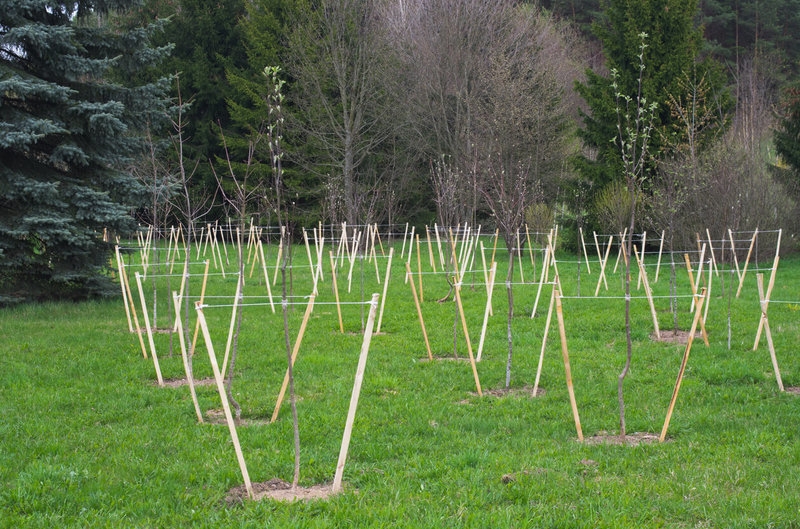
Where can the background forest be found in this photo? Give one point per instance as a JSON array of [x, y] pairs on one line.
[[387, 111]]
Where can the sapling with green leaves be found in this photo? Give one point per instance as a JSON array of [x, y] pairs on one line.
[[634, 129]]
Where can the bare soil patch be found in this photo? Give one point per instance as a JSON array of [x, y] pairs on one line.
[[794, 390], [279, 490], [217, 416], [526, 391], [633, 439], [679, 336], [180, 382]]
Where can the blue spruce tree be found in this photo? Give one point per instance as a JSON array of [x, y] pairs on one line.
[[72, 104]]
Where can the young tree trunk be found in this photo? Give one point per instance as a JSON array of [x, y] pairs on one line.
[[235, 346], [510, 290], [292, 399], [624, 373]]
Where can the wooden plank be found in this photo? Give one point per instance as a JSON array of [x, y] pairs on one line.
[[567, 370]]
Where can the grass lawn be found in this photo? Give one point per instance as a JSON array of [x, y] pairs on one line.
[[87, 439]]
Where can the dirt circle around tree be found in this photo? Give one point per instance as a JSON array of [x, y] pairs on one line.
[[526, 391], [679, 337], [217, 416], [793, 390], [633, 439], [425, 359], [180, 382], [279, 490]]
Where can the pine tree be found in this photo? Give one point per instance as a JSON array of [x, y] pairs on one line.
[[68, 126], [673, 46]]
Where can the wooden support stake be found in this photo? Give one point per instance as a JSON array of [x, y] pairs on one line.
[[236, 297], [771, 284], [336, 291], [308, 253], [385, 290], [278, 260], [603, 263], [545, 265], [122, 287], [683, 365], [530, 247], [519, 257], [648, 293], [202, 299], [641, 267], [494, 249], [149, 330], [733, 252], [764, 306], [430, 249], [266, 276], [746, 262], [567, 370], [410, 249], [351, 412], [486, 312], [403, 250], [189, 377], [585, 255], [711, 250], [694, 296], [544, 340], [224, 398], [295, 350], [133, 312], [419, 313], [439, 246], [466, 331], [700, 264], [658, 265], [619, 253], [419, 275]]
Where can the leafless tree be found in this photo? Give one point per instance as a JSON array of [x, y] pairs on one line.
[[337, 62]]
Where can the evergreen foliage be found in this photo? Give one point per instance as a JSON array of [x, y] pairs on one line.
[[674, 42], [67, 129], [787, 137]]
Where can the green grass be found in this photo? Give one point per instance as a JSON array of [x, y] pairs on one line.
[[86, 439]]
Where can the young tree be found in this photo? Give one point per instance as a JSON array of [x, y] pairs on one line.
[[68, 127], [635, 117]]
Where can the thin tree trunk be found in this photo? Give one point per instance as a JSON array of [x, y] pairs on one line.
[[510, 290], [292, 398]]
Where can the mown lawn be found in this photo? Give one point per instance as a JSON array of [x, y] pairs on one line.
[[87, 439]]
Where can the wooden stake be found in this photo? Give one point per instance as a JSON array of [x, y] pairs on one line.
[[530, 247], [403, 250], [494, 249], [419, 313], [266, 277], [700, 264], [430, 249], [544, 341], [351, 412], [567, 370], [711, 250], [385, 289], [746, 262], [232, 325], [487, 312], [295, 350], [771, 284], [519, 258], [733, 252], [308, 252], [149, 330], [189, 377], [336, 291], [764, 306], [202, 299], [439, 245], [648, 293], [545, 265], [683, 365], [466, 331], [224, 398], [660, 248], [694, 295], [278, 260], [619, 253], [410, 250], [585, 256], [603, 263], [133, 312], [122, 286], [641, 266]]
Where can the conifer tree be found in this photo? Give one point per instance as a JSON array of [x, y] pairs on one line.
[[68, 126], [787, 137], [674, 43]]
